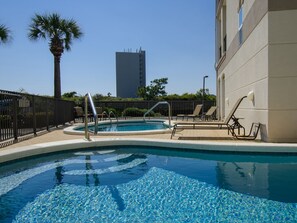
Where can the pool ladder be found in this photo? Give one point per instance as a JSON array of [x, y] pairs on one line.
[[160, 103], [88, 97], [114, 115]]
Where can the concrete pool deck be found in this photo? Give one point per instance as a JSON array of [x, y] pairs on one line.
[[193, 139], [57, 134]]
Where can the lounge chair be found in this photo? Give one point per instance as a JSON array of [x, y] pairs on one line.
[[195, 114], [79, 113], [100, 113], [252, 134], [231, 127], [210, 113]]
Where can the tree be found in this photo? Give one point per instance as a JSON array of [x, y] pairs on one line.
[[70, 94], [97, 97], [5, 34], [200, 93], [154, 90], [207, 95], [60, 33]]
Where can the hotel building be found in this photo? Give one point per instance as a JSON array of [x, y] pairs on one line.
[[130, 73], [256, 53]]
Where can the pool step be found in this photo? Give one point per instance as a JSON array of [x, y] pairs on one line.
[[111, 169]]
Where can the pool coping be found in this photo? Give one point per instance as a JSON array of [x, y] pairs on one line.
[[233, 147], [72, 129]]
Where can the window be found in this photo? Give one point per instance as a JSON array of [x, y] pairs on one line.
[[240, 20]]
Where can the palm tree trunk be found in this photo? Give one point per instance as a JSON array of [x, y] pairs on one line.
[[57, 77]]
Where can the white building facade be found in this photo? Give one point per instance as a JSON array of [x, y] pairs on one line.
[[256, 52]]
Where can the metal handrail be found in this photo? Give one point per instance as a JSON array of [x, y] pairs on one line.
[[110, 113], [89, 97], [104, 113], [159, 103]]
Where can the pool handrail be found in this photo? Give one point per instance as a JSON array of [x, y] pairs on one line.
[[159, 103], [104, 113], [89, 97], [110, 113]]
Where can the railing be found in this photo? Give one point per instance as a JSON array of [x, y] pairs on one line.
[[88, 97], [22, 115], [104, 113], [160, 103], [114, 115]]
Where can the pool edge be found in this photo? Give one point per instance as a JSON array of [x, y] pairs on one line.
[[71, 130], [58, 146]]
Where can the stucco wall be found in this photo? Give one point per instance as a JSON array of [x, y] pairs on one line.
[[282, 84], [248, 71], [266, 64], [232, 17]]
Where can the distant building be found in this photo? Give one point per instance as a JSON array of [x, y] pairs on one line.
[[256, 51], [130, 73]]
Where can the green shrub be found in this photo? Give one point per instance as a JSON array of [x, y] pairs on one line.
[[136, 112], [5, 117], [108, 110]]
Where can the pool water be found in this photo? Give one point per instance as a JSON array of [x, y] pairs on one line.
[[123, 126], [142, 184]]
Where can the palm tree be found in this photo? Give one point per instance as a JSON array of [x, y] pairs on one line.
[[4, 34], [60, 33]]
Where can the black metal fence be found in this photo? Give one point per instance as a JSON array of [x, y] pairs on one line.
[[24, 114]]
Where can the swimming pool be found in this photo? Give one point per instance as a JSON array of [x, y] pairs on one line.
[[124, 127], [149, 184]]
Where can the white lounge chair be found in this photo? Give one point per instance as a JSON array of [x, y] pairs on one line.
[[195, 114], [231, 126]]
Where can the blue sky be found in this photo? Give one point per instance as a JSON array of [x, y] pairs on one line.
[[177, 35]]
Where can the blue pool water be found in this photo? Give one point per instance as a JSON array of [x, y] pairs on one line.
[[142, 184], [123, 126]]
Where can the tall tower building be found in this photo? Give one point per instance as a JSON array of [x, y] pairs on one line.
[[130, 73]]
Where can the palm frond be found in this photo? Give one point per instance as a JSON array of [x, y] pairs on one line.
[[37, 29], [5, 34], [53, 27], [70, 31]]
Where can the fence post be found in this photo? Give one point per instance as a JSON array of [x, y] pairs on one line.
[[15, 119], [34, 115], [46, 113], [64, 113], [170, 103], [56, 112]]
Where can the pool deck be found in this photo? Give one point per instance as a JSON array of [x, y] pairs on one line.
[[195, 135], [57, 140]]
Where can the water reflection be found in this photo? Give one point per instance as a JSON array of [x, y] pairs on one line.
[[272, 177], [59, 172], [116, 161], [89, 166], [272, 181]]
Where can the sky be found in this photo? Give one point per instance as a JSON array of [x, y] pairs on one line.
[[177, 35]]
